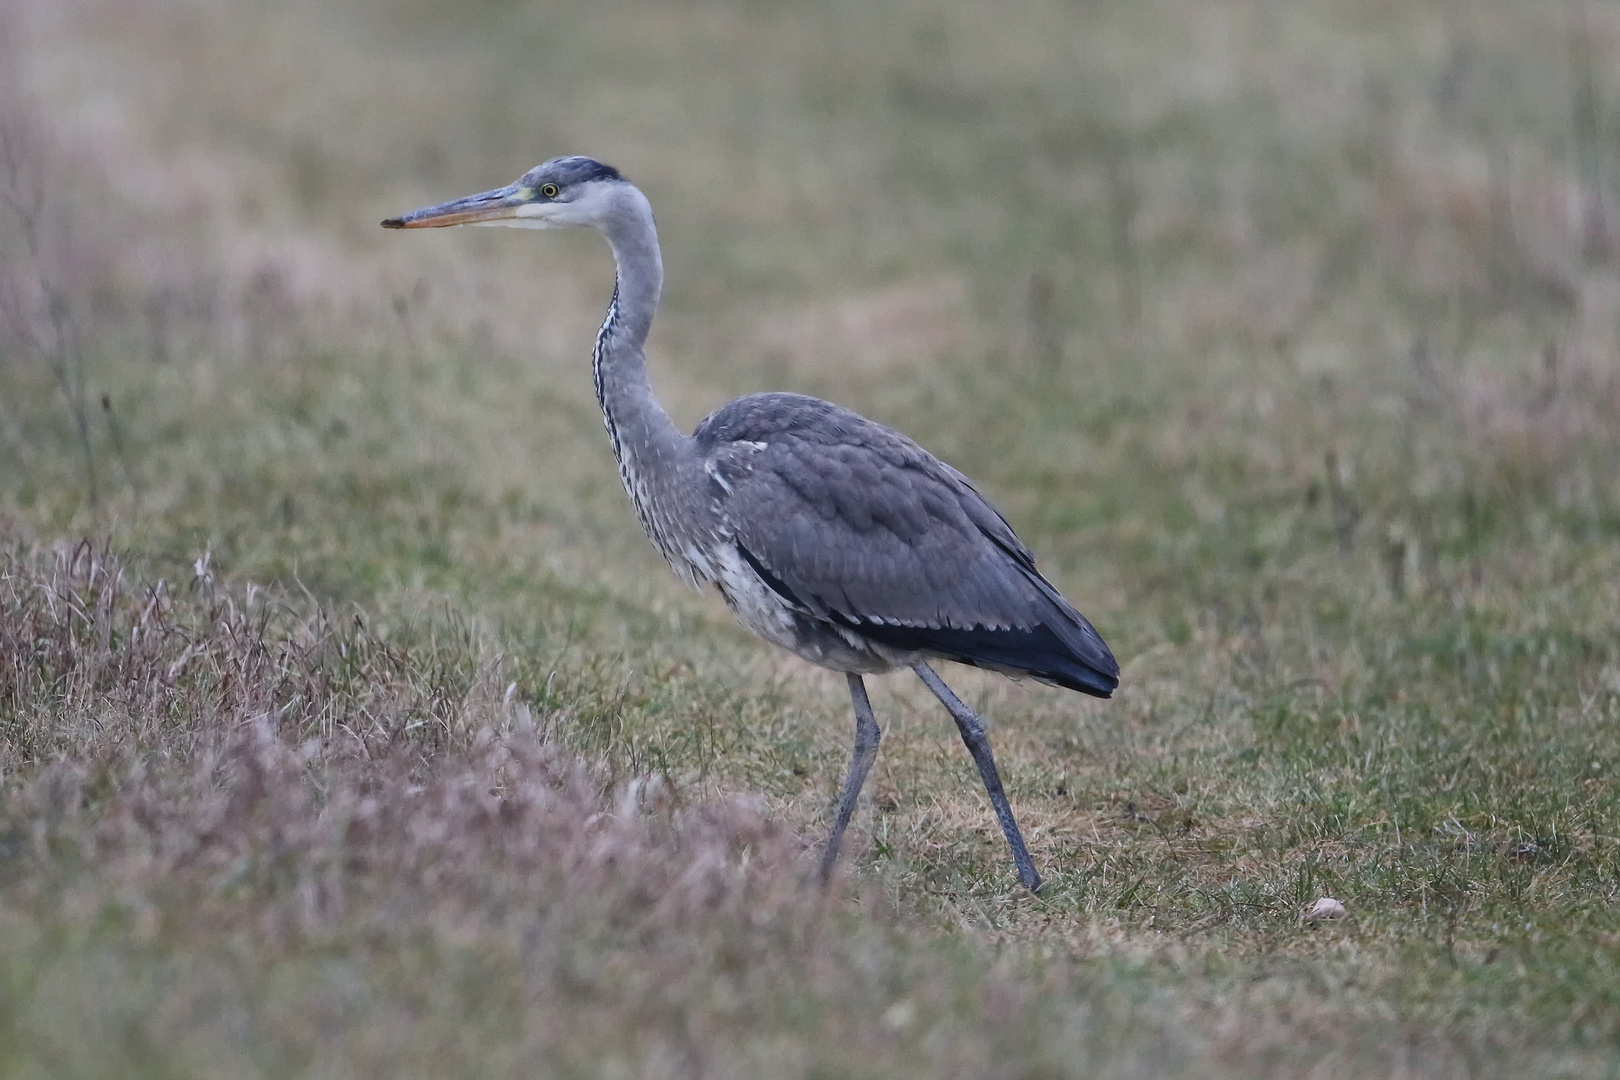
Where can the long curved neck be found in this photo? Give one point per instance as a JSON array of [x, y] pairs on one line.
[[634, 418], [652, 452]]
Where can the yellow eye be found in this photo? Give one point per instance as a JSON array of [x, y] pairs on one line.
[[549, 190]]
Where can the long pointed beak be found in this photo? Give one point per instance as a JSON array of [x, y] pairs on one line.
[[497, 205]]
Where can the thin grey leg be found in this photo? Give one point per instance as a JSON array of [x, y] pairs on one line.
[[867, 734], [978, 744]]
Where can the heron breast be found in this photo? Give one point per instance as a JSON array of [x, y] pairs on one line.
[[768, 615]]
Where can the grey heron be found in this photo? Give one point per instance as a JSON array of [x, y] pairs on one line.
[[832, 536]]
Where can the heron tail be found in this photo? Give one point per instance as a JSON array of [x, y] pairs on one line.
[[1070, 654]]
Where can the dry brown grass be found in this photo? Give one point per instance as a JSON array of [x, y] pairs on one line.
[[209, 771]]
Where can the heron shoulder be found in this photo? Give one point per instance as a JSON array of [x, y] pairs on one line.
[[803, 453], [771, 417]]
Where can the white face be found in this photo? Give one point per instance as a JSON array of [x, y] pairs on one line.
[[583, 204]]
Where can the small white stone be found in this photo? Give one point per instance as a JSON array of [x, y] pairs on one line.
[[899, 1016], [1325, 908]]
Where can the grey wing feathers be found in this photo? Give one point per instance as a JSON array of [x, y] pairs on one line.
[[855, 523]]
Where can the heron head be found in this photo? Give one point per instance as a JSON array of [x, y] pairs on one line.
[[563, 191]]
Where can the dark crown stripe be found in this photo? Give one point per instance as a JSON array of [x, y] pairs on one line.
[[579, 170]]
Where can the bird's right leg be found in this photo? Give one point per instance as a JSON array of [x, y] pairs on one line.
[[867, 734]]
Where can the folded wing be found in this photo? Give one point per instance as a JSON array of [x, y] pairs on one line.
[[853, 523]]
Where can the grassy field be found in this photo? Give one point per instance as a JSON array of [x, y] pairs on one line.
[[350, 727]]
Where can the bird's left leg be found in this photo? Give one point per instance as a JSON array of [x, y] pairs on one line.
[[978, 744], [867, 734]]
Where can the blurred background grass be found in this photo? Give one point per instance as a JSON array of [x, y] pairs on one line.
[[1286, 334]]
